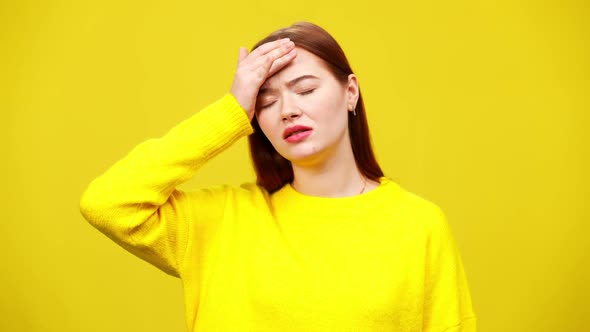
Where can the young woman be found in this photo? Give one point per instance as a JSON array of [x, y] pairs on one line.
[[322, 242]]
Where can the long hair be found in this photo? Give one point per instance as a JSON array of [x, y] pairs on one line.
[[273, 171]]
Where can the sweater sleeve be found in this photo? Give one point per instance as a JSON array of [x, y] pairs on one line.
[[136, 203], [447, 300]]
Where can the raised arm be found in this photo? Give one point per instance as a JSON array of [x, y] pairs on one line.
[[136, 203]]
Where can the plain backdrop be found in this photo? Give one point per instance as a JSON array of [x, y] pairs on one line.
[[479, 106]]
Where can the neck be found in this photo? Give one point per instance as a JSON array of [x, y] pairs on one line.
[[333, 177]]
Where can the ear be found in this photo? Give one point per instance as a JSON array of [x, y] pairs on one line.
[[352, 92]]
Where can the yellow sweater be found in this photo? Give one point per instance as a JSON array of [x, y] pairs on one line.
[[384, 260]]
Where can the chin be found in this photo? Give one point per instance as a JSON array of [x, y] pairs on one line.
[[302, 154]]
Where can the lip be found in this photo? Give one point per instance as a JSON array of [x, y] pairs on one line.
[[291, 130]]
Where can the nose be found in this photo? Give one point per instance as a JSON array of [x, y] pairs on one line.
[[289, 109]]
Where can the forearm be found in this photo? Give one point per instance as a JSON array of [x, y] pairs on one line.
[[132, 190]]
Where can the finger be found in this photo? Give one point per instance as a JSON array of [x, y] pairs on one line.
[[267, 47], [281, 62], [243, 54], [268, 59]]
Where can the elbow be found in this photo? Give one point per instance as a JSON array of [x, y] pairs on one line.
[[90, 207], [85, 206]]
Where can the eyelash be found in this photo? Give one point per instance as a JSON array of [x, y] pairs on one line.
[[306, 92], [301, 94]]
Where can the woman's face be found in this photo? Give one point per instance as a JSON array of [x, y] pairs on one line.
[[303, 110]]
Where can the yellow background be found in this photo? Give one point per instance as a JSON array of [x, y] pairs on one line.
[[479, 106]]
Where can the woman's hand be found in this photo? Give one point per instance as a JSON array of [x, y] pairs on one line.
[[254, 68]]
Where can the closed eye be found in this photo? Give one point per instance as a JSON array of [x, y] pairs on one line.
[[300, 93], [267, 105], [306, 92]]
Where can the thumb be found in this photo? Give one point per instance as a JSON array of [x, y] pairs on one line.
[[243, 54]]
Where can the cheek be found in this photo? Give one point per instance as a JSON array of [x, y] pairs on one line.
[[330, 108], [265, 125], [331, 99]]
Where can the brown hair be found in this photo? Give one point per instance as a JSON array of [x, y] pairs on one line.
[[273, 170]]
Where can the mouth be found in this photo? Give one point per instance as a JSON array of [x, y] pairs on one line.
[[296, 133]]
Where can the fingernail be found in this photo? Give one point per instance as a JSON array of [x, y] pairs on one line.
[[286, 40]]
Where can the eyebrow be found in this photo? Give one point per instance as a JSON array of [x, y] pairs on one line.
[[290, 83]]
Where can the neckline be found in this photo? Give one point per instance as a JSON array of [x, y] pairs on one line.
[[383, 181], [356, 202]]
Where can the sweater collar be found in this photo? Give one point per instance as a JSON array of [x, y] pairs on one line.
[[379, 195]]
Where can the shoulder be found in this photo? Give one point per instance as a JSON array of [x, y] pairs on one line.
[[407, 198], [421, 205], [418, 208], [242, 193]]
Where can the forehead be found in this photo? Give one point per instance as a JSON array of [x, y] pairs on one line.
[[304, 63]]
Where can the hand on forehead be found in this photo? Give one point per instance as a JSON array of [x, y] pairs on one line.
[[305, 64]]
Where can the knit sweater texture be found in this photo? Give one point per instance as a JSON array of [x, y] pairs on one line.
[[384, 260]]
